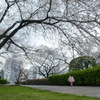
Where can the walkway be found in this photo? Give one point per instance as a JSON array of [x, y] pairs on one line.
[[78, 90]]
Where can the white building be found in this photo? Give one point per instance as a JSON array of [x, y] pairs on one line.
[[11, 68]]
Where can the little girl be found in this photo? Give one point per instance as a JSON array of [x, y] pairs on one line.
[[71, 80]]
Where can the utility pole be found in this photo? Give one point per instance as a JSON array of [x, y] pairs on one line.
[[73, 46]]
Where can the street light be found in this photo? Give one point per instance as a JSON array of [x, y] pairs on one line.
[[73, 45]]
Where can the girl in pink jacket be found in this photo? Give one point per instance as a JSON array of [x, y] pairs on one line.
[[71, 80]]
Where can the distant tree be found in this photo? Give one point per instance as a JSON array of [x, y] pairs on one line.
[[81, 63], [46, 62]]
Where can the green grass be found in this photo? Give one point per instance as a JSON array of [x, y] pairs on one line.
[[25, 93]]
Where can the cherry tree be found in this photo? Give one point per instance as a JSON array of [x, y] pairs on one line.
[[47, 61], [72, 21], [69, 18]]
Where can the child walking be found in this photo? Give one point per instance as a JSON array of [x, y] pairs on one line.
[[71, 80]]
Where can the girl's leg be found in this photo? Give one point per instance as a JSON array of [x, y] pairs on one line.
[[71, 83]]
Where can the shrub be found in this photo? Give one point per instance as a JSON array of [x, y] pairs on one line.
[[3, 81], [24, 82], [17, 83]]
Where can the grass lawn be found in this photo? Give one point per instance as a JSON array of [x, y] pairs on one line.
[[25, 93]]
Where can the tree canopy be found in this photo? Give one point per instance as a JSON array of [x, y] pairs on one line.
[[81, 63], [76, 20], [69, 21]]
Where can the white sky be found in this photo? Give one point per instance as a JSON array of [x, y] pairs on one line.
[[39, 40]]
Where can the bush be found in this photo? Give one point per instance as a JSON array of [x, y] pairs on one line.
[[17, 83], [3, 81], [24, 82]]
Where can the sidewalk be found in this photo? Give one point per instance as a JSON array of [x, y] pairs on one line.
[[78, 90]]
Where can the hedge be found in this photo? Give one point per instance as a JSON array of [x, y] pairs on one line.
[[43, 81], [57, 79], [88, 77]]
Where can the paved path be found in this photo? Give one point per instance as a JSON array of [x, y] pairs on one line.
[[78, 90]]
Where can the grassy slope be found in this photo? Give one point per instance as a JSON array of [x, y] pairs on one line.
[[25, 93]]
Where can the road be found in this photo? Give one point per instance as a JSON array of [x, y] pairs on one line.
[[78, 90]]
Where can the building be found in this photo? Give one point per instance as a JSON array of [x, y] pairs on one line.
[[12, 69]]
